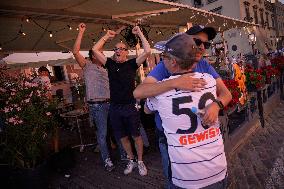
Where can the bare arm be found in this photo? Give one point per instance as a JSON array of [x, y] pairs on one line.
[[76, 48], [223, 93], [150, 87], [146, 46], [99, 45], [212, 110]]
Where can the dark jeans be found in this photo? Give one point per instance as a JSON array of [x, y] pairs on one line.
[[163, 146], [99, 114]]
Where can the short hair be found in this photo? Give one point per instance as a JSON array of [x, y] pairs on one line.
[[43, 69]]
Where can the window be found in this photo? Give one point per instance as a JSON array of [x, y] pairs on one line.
[[247, 18], [197, 3], [272, 21], [211, 1], [217, 10], [267, 20], [261, 17], [59, 73], [255, 14]]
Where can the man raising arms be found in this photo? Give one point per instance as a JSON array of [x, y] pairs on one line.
[[124, 117], [97, 93]]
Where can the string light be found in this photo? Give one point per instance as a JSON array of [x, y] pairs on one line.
[[77, 29], [22, 33], [50, 34], [0, 47], [70, 28], [27, 20]]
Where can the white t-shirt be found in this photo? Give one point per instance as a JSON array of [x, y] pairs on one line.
[[196, 151]]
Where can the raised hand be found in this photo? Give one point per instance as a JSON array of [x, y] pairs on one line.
[[82, 27], [110, 34], [136, 30]]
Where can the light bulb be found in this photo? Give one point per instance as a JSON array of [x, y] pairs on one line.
[[50, 34]]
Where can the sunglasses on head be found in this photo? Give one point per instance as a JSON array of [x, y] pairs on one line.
[[120, 49], [198, 42]]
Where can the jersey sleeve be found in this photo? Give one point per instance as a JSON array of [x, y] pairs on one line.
[[160, 72], [152, 104]]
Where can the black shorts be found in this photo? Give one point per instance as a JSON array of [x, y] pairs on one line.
[[124, 120]]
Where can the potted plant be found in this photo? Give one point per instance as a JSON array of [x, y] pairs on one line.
[[28, 124], [269, 73], [233, 87], [254, 79]]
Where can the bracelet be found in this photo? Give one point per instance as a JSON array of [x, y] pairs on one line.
[[220, 104]]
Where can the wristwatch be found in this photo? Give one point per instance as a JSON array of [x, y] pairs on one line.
[[220, 104]]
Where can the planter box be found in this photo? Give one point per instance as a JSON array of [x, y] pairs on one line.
[[24, 178]]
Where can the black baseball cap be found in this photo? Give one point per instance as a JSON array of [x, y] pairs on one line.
[[211, 32]]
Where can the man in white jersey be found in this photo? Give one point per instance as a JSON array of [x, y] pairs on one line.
[[196, 150]]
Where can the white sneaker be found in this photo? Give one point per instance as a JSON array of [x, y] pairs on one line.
[[109, 165], [130, 166], [142, 168]]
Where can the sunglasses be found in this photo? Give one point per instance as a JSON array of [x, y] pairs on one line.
[[198, 42], [120, 49]]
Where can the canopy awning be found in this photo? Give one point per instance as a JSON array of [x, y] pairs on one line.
[[183, 15], [56, 17]]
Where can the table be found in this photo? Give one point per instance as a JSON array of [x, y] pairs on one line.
[[79, 115]]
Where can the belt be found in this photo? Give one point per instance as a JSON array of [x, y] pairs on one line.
[[99, 102]]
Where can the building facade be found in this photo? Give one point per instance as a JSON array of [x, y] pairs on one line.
[[279, 20], [244, 40]]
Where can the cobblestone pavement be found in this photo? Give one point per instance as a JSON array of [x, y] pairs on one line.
[[259, 163]]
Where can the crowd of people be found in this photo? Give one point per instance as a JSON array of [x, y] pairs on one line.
[[183, 91]]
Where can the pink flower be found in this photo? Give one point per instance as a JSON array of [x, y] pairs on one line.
[[15, 120], [28, 84], [19, 108], [27, 100], [48, 113], [30, 95], [2, 90], [6, 109]]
